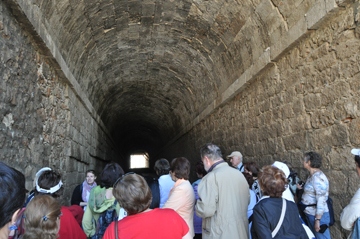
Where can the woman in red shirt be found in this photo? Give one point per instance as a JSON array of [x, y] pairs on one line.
[[134, 195]]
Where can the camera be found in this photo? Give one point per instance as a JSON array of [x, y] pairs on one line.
[[301, 183]]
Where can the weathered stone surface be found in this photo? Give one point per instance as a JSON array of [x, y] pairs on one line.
[[83, 80], [42, 109]]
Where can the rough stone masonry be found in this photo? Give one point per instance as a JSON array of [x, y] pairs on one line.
[[87, 82]]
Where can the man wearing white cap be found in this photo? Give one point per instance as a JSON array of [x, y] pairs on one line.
[[283, 167], [236, 159]]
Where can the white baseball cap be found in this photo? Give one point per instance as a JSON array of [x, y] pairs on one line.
[[355, 152], [283, 167]]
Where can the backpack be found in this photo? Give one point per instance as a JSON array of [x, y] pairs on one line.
[[155, 191], [104, 220], [330, 206]]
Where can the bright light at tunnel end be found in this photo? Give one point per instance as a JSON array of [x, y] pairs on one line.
[[139, 161]]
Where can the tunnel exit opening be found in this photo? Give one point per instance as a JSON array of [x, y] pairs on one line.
[[139, 160]]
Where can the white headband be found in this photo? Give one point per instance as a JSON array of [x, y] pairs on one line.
[[52, 189]]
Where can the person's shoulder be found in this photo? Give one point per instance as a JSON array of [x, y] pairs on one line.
[[66, 213], [163, 210], [164, 178], [320, 176], [196, 183], [77, 188], [266, 200]]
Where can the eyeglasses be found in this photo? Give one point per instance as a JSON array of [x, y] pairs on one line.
[[119, 179]]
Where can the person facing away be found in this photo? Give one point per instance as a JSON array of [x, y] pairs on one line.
[[294, 180], [182, 196], [134, 195], [267, 212], [81, 192], [162, 168], [49, 182], [285, 169], [253, 200], [252, 169], [351, 212], [236, 160], [42, 218], [101, 198], [200, 173], [316, 191], [224, 198], [12, 197]]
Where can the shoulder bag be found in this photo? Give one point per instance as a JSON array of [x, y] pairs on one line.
[[280, 222]]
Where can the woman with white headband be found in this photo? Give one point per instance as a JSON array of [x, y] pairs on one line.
[[49, 182]]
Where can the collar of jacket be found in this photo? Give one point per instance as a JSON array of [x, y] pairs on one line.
[[214, 165]]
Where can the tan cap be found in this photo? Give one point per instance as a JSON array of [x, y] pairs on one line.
[[235, 153]]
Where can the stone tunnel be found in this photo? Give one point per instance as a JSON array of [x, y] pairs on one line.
[[84, 83]]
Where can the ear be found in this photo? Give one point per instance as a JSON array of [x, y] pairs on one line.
[[15, 216], [207, 160]]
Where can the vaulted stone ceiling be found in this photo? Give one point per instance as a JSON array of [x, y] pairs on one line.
[[151, 67]]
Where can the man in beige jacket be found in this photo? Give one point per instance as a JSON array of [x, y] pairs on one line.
[[224, 197]]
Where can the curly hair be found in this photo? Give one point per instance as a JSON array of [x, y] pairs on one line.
[[133, 193], [42, 218], [272, 181], [314, 158]]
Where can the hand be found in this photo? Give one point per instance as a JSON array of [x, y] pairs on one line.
[[317, 225]]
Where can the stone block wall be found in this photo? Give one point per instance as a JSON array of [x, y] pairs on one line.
[[42, 121], [307, 100]]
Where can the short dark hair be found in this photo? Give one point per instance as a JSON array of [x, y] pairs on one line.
[[272, 181], [252, 167], [199, 168], [13, 192], [110, 174], [357, 160], [90, 171], [249, 178], [162, 167], [180, 167], [47, 180], [315, 159], [133, 193], [212, 151]]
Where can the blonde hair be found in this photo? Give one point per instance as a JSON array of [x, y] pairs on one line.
[[42, 218]]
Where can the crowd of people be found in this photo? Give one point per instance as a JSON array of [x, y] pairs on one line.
[[230, 199]]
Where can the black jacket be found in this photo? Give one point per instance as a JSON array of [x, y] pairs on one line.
[[76, 197], [266, 215]]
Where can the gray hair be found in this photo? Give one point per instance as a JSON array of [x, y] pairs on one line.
[[212, 151]]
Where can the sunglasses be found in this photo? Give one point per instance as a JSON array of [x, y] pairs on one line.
[[119, 179]]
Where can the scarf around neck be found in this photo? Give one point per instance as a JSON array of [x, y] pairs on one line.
[[86, 190]]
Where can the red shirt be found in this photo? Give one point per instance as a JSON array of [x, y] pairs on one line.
[[69, 228], [154, 224]]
